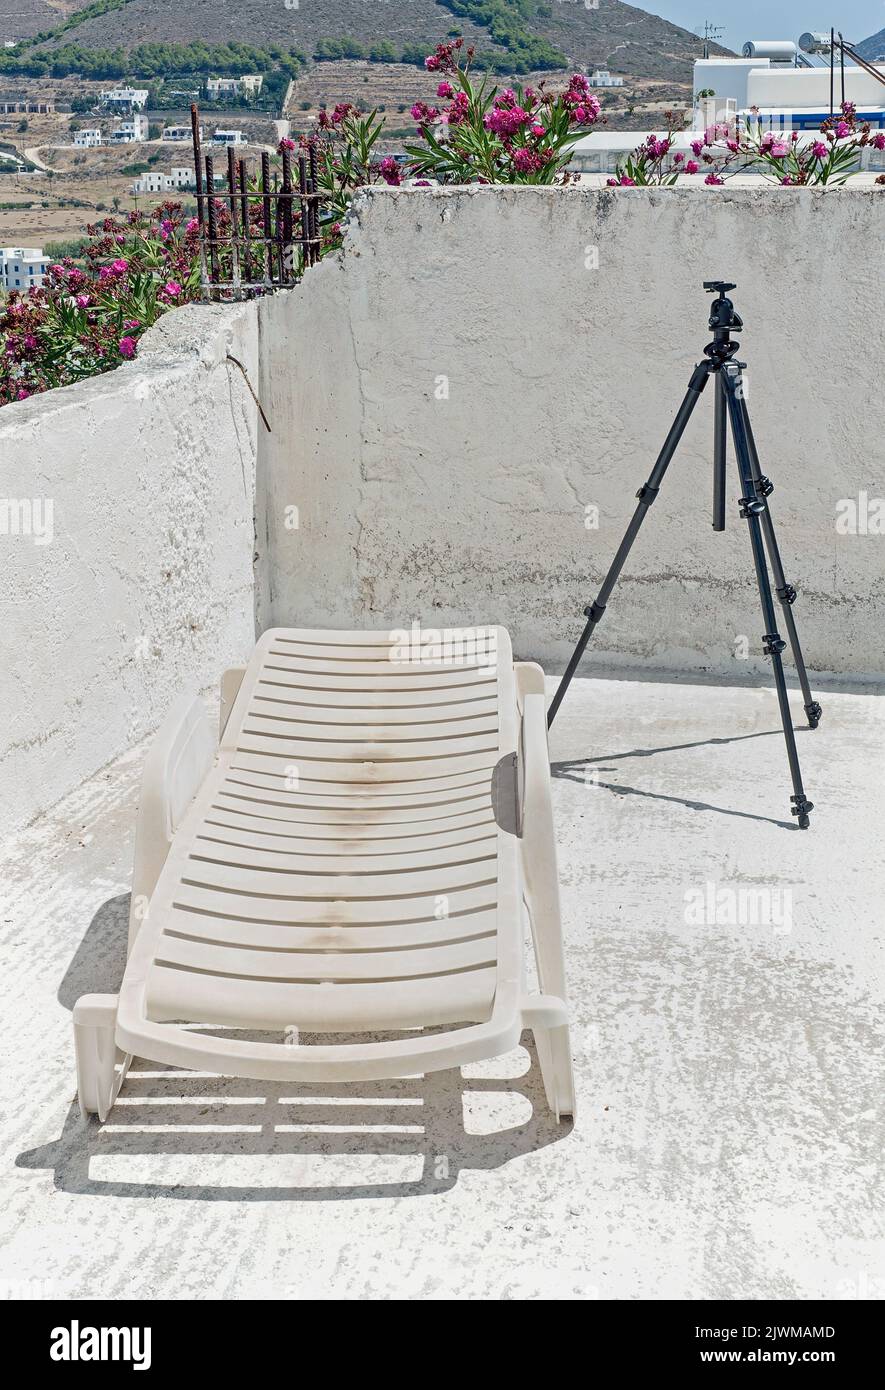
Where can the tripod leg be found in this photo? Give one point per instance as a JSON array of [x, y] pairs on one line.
[[785, 592], [753, 507], [646, 494], [719, 454]]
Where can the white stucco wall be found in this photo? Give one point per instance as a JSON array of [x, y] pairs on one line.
[[447, 398], [480, 366], [145, 588]]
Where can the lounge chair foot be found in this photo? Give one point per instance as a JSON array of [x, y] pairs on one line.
[[548, 1019], [555, 1059], [101, 1066]]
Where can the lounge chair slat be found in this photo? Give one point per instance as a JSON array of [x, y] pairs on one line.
[[263, 1004], [334, 910], [341, 936]]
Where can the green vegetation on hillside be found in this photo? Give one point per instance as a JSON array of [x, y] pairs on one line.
[[150, 60], [505, 21]]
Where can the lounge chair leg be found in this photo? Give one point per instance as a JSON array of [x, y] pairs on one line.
[[548, 1019], [99, 1077]]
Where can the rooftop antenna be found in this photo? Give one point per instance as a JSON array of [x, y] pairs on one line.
[[712, 34]]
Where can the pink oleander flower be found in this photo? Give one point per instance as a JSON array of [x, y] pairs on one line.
[[678, 158], [431, 63], [285, 144], [656, 149], [446, 90], [692, 166], [878, 140], [192, 226], [459, 109], [423, 114], [778, 150], [622, 182], [22, 394], [538, 130], [697, 147], [82, 301], [820, 150], [504, 121], [843, 130], [713, 179], [390, 171], [526, 161], [129, 324], [171, 290], [119, 267], [127, 347]]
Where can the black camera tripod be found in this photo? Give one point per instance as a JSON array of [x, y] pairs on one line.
[[730, 402]]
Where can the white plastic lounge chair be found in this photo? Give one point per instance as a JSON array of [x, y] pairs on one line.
[[353, 858]]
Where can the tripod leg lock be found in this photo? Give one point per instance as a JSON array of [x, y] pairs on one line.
[[787, 594], [764, 486], [751, 506], [594, 611], [814, 712], [801, 807], [772, 644], [647, 493]]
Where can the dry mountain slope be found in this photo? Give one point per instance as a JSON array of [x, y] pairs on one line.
[[21, 19], [627, 39]]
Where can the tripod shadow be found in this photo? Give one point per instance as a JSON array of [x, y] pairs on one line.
[[576, 770], [196, 1136]]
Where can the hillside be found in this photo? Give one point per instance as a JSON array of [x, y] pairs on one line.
[[873, 47], [21, 19], [629, 40]]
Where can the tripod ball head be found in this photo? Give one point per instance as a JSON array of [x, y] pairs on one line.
[[722, 311]]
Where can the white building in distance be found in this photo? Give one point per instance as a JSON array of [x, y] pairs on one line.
[[153, 181], [249, 84], [87, 139], [125, 98], [603, 78], [179, 132], [128, 132], [22, 267], [228, 137]]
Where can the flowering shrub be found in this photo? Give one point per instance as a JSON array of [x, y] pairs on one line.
[[518, 135], [87, 320], [782, 159], [646, 167], [344, 142]]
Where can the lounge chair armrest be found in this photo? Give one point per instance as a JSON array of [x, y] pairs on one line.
[[231, 681], [178, 761], [539, 847], [529, 680]]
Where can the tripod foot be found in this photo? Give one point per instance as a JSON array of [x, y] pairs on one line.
[[814, 712], [801, 807]]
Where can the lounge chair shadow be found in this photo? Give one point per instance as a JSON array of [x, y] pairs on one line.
[[170, 1128], [576, 769], [315, 1142]]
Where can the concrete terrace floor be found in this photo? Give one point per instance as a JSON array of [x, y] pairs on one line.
[[729, 1138]]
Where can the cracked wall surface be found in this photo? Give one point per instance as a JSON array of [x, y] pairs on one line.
[[479, 367], [145, 588]]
